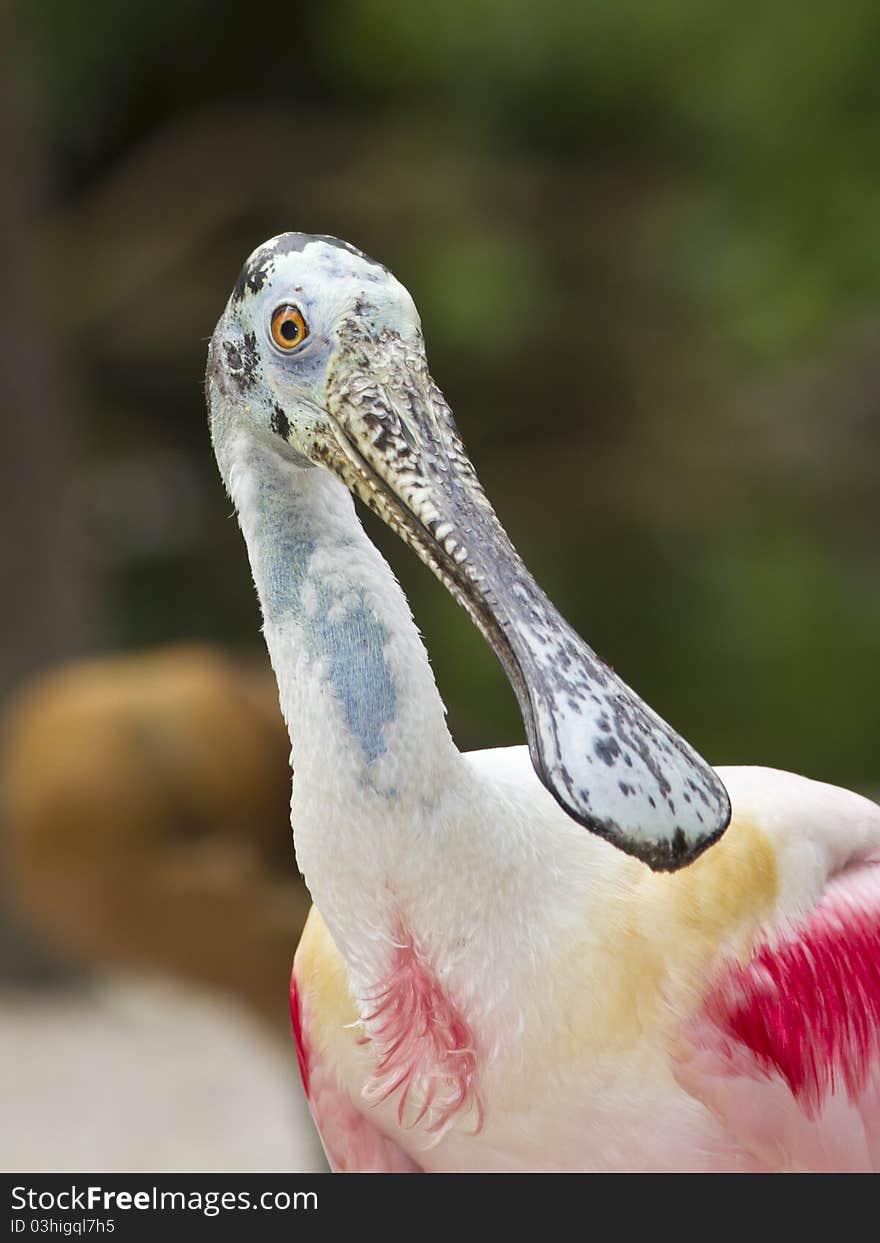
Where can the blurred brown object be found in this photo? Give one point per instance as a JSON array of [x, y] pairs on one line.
[[147, 819]]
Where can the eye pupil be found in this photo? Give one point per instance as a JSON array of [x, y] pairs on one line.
[[289, 330]]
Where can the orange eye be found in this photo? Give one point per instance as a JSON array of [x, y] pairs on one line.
[[289, 329]]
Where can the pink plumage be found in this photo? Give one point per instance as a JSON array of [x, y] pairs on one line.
[[785, 1050], [298, 1038], [420, 1040], [808, 1005]]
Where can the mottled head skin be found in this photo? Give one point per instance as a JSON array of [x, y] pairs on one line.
[[356, 398]]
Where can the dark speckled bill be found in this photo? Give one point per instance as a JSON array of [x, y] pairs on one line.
[[611, 762]]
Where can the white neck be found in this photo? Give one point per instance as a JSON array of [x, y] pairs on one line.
[[370, 748]]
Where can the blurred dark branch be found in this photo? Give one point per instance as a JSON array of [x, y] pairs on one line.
[[49, 610]]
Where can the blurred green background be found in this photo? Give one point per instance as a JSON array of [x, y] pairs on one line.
[[644, 242]]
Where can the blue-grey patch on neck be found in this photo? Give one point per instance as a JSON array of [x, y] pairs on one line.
[[347, 635], [354, 646]]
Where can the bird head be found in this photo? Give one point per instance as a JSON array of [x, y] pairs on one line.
[[319, 355]]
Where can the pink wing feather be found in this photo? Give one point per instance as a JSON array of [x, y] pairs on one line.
[[786, 1048]]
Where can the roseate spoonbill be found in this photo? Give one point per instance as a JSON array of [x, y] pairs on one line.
[[481, 984]]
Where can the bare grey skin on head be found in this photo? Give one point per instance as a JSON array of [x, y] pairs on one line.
[[319, 355]]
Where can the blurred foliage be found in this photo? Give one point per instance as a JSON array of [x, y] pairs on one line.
[[643, 241]]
